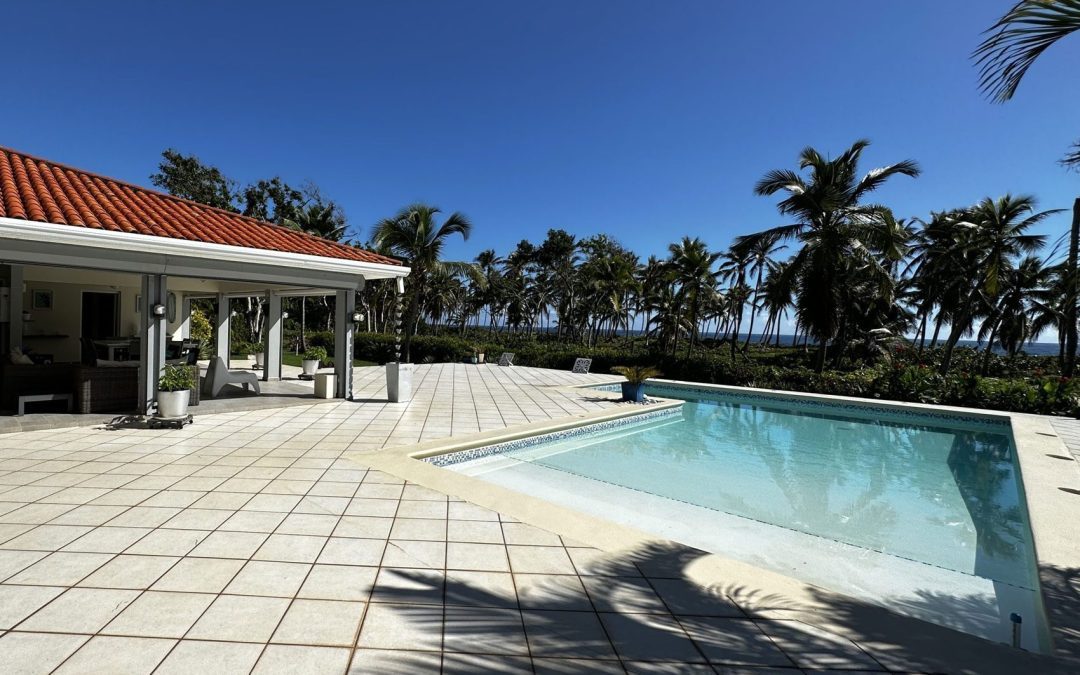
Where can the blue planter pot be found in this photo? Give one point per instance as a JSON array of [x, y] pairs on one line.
[[633, 391]]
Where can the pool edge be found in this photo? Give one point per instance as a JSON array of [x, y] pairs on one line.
[[1031, 433]]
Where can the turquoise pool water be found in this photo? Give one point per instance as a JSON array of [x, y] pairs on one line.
[[944, 491]]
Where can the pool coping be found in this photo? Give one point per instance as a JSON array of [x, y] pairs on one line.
[[1041, 475]]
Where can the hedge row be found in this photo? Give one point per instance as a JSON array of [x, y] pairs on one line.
[[902, 377]]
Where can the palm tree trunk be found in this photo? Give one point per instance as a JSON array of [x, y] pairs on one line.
[[1069, 319], [989, 348], [753, 308]]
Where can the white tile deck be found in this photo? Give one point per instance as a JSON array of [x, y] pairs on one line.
[[247, 543]]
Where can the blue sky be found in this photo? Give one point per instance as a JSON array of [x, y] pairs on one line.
[[645, 120]]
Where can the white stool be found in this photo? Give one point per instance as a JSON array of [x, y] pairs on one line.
[[325, 385]]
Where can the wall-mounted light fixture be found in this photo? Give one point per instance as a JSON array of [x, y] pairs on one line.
[[357, 317], [284, 315], [158, 310]]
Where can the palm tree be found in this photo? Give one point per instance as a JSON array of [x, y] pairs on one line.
[[997, 236], [1011, 47], [413, 235], [692, 266], [761, 251], [832, 224]]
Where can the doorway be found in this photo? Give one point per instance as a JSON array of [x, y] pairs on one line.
[[100, 315]]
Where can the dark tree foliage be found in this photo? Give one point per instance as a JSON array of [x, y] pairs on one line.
[[186, 176]]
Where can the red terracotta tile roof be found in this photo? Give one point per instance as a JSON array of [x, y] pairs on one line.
[[40, 190]]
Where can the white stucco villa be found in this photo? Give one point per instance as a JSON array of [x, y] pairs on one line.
[[92, 268]]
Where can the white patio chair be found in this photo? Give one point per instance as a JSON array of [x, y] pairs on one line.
[[507, 359], [218, 375], [581, 366]]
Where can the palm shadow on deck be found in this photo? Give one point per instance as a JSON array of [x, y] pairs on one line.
[[640, 607]]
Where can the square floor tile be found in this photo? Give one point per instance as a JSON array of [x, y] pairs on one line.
[[240, 618], [130, 571], [686, 597], [144, 516], [552, 591], [627, 595], [520, 533], [414, 627], [473, 531], [156, 614], [479, 557], [341, 551], [108, 539], [364, 527], [36, 653], [13, 561], [220, 658], [480, 589], [80, 610], [89, 514], [198, 519], [267, 502], [320, 622], [199, 575], [813, 647], [566, 634], [383, 508], [308, 523], [290, 548], [484, 630], [339, 582], [275, 579], [648, 637], [253, 521], [61, 569], [117, 655], [539, 560], [168, 542], [297, 660], [424, 529], [19, 602], [229, 545], [410, 553], [396, 662], [46, 538], [411, 586], [414, 508], [733, 642]]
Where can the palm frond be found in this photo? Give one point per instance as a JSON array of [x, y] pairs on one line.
[[1018, 39]]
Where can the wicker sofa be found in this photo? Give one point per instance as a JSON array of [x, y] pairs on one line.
[[23, 380], [105, 389]]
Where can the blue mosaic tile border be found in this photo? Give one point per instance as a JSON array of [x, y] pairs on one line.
[[680, 391], [531, 441]]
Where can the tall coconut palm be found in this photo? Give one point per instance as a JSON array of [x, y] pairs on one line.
[[832, 225], [1011, 47], [997, 237], [414, 236], [692, 267], [760, 252]]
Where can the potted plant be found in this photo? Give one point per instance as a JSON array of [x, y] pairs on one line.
[[479, 353], [259, 354], [312, 358], [174, 391], [634, 387]]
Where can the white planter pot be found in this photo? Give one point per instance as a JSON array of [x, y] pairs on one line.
[[480, 357], [260, 359], [173, 403], [310, 366], [399, 382]]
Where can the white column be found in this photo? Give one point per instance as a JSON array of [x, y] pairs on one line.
[[272, 362], [222, 348], [343, 342], [152, 338], [185, 317], [15, 325]]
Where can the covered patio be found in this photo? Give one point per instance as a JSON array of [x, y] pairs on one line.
[[98, 277]]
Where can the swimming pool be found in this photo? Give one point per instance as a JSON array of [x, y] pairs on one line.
[[913, 510]]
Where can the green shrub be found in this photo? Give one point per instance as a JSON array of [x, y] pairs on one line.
[[315, 354], [176, 378]]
